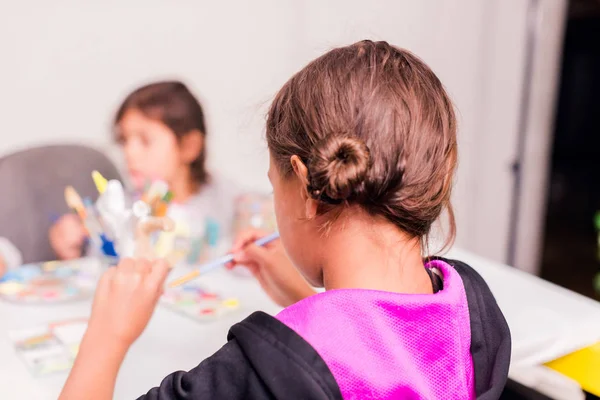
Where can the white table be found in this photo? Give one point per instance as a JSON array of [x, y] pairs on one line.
[[546, 321], [171, 342]]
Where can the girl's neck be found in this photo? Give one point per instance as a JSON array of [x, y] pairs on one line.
[[183, 186], [364, 254]]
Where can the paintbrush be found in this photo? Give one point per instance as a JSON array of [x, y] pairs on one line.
[[204, 268], [90, 225], [74, 202]]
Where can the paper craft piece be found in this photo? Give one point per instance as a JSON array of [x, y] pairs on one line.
[[122, 226], [174, 244], [145, 228], [116, 217], [99, 181], [50, 348], [195, 302], [157, 191], [118, 226], [52, 282]]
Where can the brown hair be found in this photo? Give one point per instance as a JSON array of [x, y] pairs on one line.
[[375, 127], [171, 103]]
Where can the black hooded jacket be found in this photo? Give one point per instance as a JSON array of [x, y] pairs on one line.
[[264, 359]]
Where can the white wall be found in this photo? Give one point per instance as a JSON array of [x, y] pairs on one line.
[[476, 49], [66, 65]]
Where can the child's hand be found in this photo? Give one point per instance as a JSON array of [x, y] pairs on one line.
[[272, 267], [125, 300], [2, 266], [67, 236]]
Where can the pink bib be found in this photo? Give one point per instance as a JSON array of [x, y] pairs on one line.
[[382, 345]]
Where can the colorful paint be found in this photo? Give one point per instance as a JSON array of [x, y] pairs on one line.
[[202, 305], [51, 282], [50, 348]]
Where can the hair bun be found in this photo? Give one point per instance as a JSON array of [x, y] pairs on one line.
[[337, 168]]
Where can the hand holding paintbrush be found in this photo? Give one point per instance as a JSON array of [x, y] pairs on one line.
[[265, 257], [221, 261], [272, 268]]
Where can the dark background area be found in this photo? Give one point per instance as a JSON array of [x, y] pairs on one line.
[[570, 247], [570, 250]]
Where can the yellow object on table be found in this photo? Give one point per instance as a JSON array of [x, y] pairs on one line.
[[583, 366]]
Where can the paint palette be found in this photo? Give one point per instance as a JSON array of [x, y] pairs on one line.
[[50, 348], [50, 282], [194, 301]]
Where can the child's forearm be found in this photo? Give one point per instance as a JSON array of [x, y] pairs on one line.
[[94, 373]]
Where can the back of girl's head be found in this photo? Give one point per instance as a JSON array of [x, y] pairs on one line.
[[375, 128], [173, 104]]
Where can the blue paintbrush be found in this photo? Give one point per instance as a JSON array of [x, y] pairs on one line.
[[204, 268]]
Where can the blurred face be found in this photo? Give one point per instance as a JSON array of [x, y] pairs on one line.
[[151, 149], [299, 232]]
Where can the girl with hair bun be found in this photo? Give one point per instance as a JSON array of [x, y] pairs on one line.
[[363, 151]]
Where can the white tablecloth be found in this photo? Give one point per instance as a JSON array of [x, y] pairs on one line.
[[546, 321], [171, 342]]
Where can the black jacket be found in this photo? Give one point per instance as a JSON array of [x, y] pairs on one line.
[[264, 359]]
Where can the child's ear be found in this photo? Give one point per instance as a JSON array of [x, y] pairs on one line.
[[191, 145], [310, 204]]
